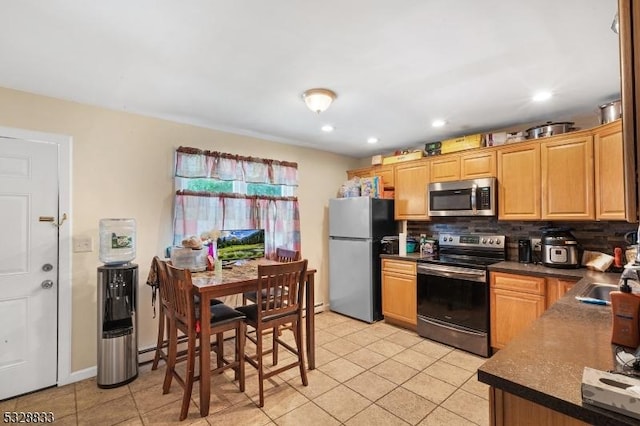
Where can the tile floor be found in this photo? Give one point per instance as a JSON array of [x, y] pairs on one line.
[[367, 374]]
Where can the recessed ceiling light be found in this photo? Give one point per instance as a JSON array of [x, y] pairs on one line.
[[542, 96], [327, 128], [372, 140], [438, 123]]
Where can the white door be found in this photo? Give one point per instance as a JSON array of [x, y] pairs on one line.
[[28, 265]]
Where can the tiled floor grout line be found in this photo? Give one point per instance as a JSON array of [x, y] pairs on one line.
[[440, 360]]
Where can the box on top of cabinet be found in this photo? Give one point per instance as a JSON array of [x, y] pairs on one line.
[[461, 143], [416, 155]]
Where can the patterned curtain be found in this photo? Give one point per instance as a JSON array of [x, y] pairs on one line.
[[197, 212]]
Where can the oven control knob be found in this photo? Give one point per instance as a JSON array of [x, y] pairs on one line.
[[498, 241], [484, 241], [450, 239], [491, 241]]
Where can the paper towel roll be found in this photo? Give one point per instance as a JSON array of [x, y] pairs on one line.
[[402, 244]]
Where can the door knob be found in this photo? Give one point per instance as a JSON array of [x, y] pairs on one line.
[[47, 267], [47, 284]]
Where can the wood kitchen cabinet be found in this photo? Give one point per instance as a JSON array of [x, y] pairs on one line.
[[567, 178], [410, 181], [478, 165], [519, 182], [361, 173], [515, 302], [384, 172], [444, 168], [466, 166], [399, 298], [508, 409], [556, 288], [610, 184]]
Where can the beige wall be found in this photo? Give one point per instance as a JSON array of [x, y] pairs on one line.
[[122, 167]]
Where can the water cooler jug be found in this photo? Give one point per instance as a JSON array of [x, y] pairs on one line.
[[117, 325]]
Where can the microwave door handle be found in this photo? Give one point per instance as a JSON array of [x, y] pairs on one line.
[[474, 209]]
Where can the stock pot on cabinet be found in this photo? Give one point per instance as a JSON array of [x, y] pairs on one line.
[[550, 129]]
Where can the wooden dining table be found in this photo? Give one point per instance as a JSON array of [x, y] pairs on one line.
[[240, 278]]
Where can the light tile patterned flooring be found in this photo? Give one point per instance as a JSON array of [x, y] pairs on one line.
[[367, 374]]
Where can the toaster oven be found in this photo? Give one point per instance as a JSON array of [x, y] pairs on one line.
[[390, 245]]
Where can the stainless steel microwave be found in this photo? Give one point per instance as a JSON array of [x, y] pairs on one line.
[[472, 197]]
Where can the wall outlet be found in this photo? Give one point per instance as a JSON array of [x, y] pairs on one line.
[[536, 244], [82, 244]]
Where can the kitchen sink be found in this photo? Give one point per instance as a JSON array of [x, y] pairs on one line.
[[598, 291]]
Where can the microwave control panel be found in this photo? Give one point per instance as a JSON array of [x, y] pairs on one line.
[[485, 198]]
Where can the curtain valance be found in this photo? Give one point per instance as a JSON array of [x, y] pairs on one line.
[[232, 195], [197, 163]]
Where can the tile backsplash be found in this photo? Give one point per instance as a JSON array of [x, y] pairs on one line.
[[595, 236]]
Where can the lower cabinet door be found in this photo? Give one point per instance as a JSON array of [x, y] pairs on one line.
[[512, 312], [399, 297]]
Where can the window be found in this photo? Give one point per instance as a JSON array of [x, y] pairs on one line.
[[216, 191]]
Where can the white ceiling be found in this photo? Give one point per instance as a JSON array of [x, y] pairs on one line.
[[242, 65]]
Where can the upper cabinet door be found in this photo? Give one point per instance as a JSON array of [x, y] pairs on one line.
[[386, 174], [411, 191], [444, 169], [359, 173], [519, 182], [478, 165], [610, 185], [567, 178]]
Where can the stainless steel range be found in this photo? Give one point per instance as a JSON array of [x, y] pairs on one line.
[[453, 291]]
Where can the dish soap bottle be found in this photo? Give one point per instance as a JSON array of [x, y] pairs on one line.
[[625, 308]]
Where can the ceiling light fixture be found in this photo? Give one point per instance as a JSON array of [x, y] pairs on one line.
[[327, 128], [372, 140], [318, 100], [542, 96], [438, 123]]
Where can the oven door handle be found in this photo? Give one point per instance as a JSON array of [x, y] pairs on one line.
[[452, 327], [453, 272]]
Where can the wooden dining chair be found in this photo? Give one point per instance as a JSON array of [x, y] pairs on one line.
[[162, 339], [182, 315], [284, 283], [282, 255]]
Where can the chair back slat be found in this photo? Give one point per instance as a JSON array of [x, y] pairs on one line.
[[283, 283], [181, 293], [285, 255], [161, 270]]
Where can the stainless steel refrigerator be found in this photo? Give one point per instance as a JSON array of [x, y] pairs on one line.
[[356, 226]]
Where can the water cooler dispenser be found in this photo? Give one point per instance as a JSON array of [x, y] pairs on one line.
[[117, 304]]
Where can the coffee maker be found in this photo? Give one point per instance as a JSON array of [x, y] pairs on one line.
[[524, 251]]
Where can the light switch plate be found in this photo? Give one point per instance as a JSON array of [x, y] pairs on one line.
[[82, 244]]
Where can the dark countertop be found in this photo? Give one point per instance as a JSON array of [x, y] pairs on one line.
[[538, 270], [544, 364], [410, 257]]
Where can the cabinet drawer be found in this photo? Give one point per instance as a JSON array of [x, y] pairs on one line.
[[519, 283], [399, 266]]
